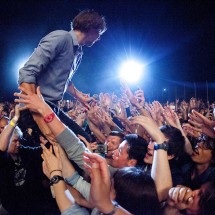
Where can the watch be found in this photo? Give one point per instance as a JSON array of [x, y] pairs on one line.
[[163, 146], [55, 179]]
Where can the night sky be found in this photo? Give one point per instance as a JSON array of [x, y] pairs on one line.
[[174, 39]]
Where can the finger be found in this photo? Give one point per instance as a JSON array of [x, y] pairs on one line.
[[45, 150], [171, 192], [25, 90], [25, 101], [182, 193], [195, 123], [56, 150], [175, 194], [21, 95], [187, 195], [88, 168], [38, 91], [102, 164]]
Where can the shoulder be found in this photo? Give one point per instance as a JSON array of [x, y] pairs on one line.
[[59, 35]]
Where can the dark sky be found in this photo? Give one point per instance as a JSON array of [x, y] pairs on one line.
[[176, 39]]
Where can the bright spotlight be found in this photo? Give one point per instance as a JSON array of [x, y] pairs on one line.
[[131, 71], [20, 64]]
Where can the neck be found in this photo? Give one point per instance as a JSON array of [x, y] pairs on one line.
[[80, 37], [200, 168], [14, 156]]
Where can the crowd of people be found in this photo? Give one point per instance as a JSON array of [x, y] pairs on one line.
[[138, 157], [102, 154]]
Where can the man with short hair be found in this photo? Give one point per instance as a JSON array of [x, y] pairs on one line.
[[131, 152], [55, 60]]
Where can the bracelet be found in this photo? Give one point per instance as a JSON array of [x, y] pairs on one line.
[[13, 124], [49, 118], [55, 170]]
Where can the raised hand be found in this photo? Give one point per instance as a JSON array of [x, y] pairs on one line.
[[191, 130], [171, 117], [196, 116], [100, 182], [33, 102], [150, 126], [53, 162], [139, 95], [205, 125], [105, 101], [127, 91]]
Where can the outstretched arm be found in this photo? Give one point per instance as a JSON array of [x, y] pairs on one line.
[[83, 98], [52, 166], [160, 167], [65, 137], [8, 131]]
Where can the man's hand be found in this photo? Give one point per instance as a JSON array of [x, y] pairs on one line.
[[100, 182], [180, 197], [150, 126], [53, 162], [205, 125], [33, 102], [36, 104]]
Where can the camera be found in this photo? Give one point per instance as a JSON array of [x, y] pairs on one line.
[[102, 149]]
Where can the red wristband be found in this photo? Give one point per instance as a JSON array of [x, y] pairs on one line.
[[49, 118]]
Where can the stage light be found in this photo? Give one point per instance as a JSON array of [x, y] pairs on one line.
[[20, 64], [164, 89], [131, 71]]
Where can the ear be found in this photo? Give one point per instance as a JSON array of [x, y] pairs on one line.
[[132, 162], [170, 157]]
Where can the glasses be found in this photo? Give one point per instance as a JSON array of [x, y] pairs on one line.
[[207, 143]]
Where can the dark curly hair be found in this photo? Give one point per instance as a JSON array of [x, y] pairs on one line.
[[87, 20]]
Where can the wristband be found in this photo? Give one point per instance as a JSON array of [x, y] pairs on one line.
[[49, 118], [13, 124]]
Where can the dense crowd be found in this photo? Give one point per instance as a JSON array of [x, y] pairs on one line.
[[102, 154], [133, 157]]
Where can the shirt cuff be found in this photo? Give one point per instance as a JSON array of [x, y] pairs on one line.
[[72, 179]]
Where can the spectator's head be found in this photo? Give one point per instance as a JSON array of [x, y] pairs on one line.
[[175, 144], [3, 122], [15, 141], [89, 26], [203, 200], [135, 191], [131, 152], [204, 152], [113, 140], [4, 109]]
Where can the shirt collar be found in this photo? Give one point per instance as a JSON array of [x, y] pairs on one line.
[[74, 38]]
